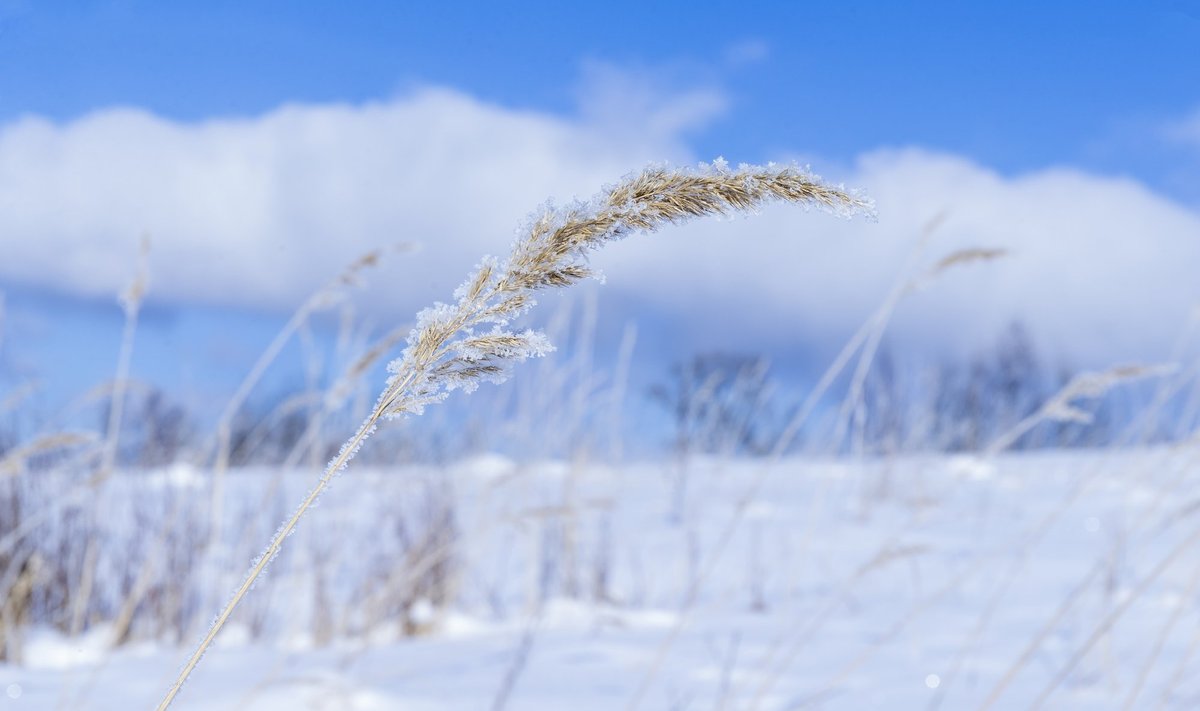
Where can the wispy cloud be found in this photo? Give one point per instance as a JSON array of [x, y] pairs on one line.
[[746, 52], [643, 107]]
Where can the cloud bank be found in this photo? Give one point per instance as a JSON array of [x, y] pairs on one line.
[[260, 211]]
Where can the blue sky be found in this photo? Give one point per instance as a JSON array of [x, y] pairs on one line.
[[1015, 85], [259, 145]]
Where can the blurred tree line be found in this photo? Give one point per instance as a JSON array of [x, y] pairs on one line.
[[723, 403], [728, 404]]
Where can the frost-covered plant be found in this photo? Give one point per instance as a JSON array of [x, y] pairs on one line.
[[1065, 405], [461, 344]]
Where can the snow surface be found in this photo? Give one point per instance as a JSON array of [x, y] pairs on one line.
[[907, 583]]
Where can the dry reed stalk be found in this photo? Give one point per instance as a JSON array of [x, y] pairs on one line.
[[1141, 429], [1072, 598], [131, 302], [87, 580], [782, 653], [122, 625], [1106, 624], [14, 604], [1084, 386], [326, 296], [444, 351], [1180, 673], [852, 405], [1143, 522], [1063, 407], [1191, 411], [343, 387], [1034, 534], [92, 397], [131, 299], [75, 495], [1000, 589], [339, 392], [334, 398], [872, 329], [258, 435], [1040, 637], [620, 386], [861, 342], [13, 463], [18, 394], [1179, 608]]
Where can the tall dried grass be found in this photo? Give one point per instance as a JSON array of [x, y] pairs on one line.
[[325, 297], [445, 352]]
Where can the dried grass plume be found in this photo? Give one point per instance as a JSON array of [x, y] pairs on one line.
[[464, 343]]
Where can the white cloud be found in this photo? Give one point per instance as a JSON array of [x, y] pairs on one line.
[[639, 108], [1101, 269], [260, 211]]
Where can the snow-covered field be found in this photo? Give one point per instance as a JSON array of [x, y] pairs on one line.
[[1065, 579]]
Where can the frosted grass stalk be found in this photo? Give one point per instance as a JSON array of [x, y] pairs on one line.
[[459, 345]]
